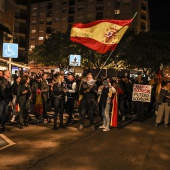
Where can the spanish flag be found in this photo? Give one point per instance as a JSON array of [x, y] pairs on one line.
[[114, 113], [100, 35]]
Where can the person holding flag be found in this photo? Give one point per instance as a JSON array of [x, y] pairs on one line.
[[101, 36], [88, 102], [106, 92]]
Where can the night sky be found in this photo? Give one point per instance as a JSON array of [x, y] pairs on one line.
[[159, 15]]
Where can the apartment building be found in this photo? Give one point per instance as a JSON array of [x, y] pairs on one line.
[[21, 29], [6, 20], [56, 15], [6, 26], [14, 28]]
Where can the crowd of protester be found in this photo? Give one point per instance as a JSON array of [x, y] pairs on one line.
[[93, 97]]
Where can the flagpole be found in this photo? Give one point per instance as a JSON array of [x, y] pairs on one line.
[[103, 65], [135, 15], [109, 56]]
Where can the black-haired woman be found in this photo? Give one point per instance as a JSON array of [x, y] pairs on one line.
[[24, 96]]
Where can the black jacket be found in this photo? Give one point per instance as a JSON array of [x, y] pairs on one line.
[[5, 90]]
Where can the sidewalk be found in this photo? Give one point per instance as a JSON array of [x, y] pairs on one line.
[[38, 142]]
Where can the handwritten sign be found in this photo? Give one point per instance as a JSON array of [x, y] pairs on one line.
[[141, 93]]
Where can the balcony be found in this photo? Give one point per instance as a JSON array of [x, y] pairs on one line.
[[21, 16], [20, 30]]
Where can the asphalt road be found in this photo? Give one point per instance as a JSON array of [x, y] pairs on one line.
[[131, 146]]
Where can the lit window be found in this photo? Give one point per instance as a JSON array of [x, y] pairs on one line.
[[116, 11], [40, 38], [32, 46], [32, 38], [34, 8], [33, 22], [33, 31]]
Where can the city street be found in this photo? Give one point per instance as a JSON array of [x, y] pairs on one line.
[[132, 145]]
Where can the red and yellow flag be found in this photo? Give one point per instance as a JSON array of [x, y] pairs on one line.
[[100, 35], [114, 113]]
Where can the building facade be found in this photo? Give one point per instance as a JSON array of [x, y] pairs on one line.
[[14, 28], [48, 16], [6, 26], [6, 20], [21, 29]]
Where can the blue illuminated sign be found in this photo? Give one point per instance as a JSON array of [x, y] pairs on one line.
[[10, 50], [75, 60]]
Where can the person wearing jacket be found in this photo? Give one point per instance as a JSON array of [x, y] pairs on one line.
[[106, 91], [71, 94], [59, 95], [44, 93], [88, 102], [14, 88], [163, 104], [5, 97], [24, 97]]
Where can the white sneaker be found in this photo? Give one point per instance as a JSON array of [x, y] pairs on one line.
[[123, 118], [45, 121], [13, 118], [102, 126], [80, 127], [106, 129]]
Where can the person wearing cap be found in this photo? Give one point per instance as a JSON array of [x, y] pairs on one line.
[[106, 92], [71, 90], [163, 104]]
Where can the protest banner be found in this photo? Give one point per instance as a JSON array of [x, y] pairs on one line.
[[141, 93]]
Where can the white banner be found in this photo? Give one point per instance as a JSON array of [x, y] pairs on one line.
[[141, 93]]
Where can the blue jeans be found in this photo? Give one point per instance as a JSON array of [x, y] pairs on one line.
[[106, 114], [3, 111]]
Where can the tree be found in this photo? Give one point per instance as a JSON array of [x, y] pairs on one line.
[[56, 50], [148, 50], [53, 51]]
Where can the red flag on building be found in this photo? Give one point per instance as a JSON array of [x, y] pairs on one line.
[[100, 35], [113, 120]]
